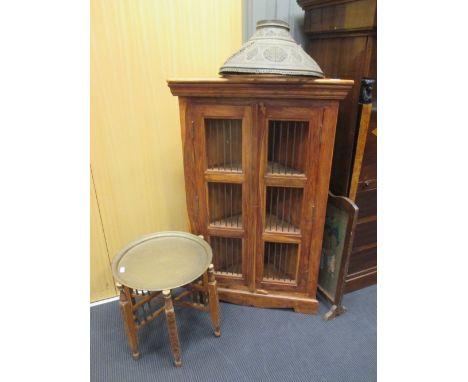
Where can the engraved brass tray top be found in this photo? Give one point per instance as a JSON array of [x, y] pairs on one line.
[[163, 260]]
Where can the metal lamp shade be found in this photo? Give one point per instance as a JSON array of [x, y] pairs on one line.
[[271, 50]]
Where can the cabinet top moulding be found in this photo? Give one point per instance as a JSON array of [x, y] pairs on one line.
[[262, 87]]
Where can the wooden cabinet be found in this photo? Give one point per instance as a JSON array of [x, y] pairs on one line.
[[257, 159]]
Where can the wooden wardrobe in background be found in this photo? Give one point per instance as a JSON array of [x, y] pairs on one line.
[[342, 38]]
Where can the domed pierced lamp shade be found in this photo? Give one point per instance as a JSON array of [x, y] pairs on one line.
[[271, 50]]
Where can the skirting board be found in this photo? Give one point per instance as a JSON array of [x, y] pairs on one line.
[[105, 301]]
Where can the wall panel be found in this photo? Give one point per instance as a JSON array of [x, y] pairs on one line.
[[136, 153]]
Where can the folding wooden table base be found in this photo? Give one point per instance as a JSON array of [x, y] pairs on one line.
[[136, 311]]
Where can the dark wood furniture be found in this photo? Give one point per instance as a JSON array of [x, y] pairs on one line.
[[257, 156], [342, 38], [362, 269], [340, 224], [151, 267]]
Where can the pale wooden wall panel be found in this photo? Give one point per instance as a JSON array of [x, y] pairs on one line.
[[136, 153], [102, 282]]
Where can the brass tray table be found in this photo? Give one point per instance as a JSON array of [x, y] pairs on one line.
[[153, 265]]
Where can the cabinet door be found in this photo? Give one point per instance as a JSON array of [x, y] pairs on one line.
[[289, 151], [222, 141]]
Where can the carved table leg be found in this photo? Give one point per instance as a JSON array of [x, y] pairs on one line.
[[129, 323], [172, 328], [213, 301]]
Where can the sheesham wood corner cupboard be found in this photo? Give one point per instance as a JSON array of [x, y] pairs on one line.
[[257, 157]]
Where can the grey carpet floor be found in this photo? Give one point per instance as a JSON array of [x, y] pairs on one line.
[[255, 345]]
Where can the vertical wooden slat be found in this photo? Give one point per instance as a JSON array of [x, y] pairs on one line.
[[301, 147], [238, 196], [273, 124], [218, 144], [238, 131], [277, 206], [224, 144], [233, 257], [294, 143], [239, 257], [281, 266], [287, 167], [283, 221], [233, 263], [225, 256], [230, 144], [226, 205], [280, 146], [231, 221], [228, 255]]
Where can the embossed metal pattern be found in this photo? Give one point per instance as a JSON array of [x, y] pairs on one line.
[[271, 50], [164, 260]]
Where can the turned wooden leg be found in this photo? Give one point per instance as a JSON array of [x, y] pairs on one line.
[[172, 327], [129, 323], [213, 301]]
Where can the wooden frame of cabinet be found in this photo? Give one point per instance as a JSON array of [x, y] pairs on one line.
[[257, 158]]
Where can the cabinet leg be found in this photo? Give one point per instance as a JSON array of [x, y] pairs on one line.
[[172, 328], [213, 301], [335, 311], [129, 323]]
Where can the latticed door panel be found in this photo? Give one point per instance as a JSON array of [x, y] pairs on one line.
[[227, 255], [225, 205], [287, 147], [281, 262], [223, 143], [290, 139], [283, 209]]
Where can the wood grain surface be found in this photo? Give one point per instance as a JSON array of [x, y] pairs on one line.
[[136, 150], [281, 235]]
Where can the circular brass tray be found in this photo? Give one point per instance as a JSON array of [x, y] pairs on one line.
[[163, 260]]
